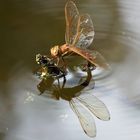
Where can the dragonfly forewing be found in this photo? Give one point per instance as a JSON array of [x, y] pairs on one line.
[[72, 17], [85, 32]]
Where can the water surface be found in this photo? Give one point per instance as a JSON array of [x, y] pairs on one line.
[[34, 26]]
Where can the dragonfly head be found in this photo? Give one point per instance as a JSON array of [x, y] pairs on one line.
[[43, 60], [55, 51]]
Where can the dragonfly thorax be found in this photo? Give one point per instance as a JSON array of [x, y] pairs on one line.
[[57, 51]]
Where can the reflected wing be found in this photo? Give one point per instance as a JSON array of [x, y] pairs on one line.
[[92, 56], [72, 17], [96, 106], [85, 118], [85, 32]]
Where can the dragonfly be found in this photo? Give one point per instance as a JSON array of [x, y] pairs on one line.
[[83, 105], [78, 37]]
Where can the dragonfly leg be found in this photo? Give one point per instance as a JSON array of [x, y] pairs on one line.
[[64, 64], [58, 61], [88, 65]]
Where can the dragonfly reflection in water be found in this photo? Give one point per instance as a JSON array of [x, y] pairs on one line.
[[84, 106], [79, 36]]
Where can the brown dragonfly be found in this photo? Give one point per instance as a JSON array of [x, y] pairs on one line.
[[79, 35]]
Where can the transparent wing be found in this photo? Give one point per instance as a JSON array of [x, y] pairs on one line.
[[72, 17], [97, 107], [85, 118], [85, 32], [92, 56]]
